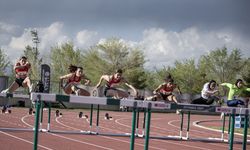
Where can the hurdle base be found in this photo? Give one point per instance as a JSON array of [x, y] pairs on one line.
[[16, 129], [70, 132]]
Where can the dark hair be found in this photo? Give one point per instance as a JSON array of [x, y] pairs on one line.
[[168, 78], [171, 80], [237, 81], [23, 57], [210, 82], [72, 68], [118, 71]]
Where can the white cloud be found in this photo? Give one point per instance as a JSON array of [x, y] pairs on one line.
[[49, 36], [86, 38], [7, 28], [19, 43], [163, 48], [6, 32]]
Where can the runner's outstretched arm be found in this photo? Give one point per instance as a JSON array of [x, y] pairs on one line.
[[157, 89], [100, 81], [86, 80], [132, 87], [64, 77]]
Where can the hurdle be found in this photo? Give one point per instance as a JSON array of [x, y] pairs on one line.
[[187, 108], [135, 104], [233, 111], [207, 108], [11, 95], [38, 97]]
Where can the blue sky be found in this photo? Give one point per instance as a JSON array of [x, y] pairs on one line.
[[166, 30]]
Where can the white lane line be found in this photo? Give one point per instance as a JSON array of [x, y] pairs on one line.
[[69, 127], [198, 132], [166, 130], [11, 123], [25, 122], [181, 144], [196, 124], [162, 140], [151, 147], [71, 139], [21, 139], [201, 132]]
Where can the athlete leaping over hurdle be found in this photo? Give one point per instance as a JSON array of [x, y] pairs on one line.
[[234, 91], [22, 68], [208, 94], [165, 91], [73, 81], [112, 81]]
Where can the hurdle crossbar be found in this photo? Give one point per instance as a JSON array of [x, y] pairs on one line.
[[99, 101], [11, 95]]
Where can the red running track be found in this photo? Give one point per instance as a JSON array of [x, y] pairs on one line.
[[162, 124]]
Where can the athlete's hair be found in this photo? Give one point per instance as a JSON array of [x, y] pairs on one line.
[[168, 77], [23, 57], [119, 71], [237, 81], [210, 82], [170, 80], [72, 68]]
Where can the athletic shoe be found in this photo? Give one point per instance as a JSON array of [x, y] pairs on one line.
[[5, 91], [177, 111], [106, 117], [222, 115], [78, 92], [31, 88]]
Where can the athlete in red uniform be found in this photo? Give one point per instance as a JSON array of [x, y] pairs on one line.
[[21, 68], [73, 81], [112, 81], [165, 91]]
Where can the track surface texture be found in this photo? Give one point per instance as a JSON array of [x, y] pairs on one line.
[[162, 125]]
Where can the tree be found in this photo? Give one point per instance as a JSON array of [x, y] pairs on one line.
[[61, 57], [245, 73], [35, 61], [187, 76], [221, 66], [114, 54], [4, 63], [155, 78]]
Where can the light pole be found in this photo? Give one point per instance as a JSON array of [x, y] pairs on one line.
[[35, 40]]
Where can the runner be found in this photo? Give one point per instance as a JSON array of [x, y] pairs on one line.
[[111, 84], [234, 91], [21, 68], [165, 91], [208, 94], [73, 79]]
